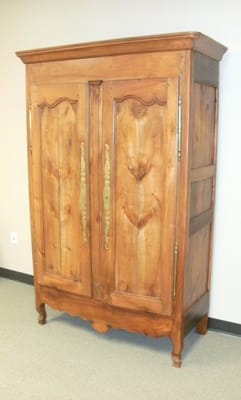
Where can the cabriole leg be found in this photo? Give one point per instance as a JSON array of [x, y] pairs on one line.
[[177, 341], [176, 360], [42, 313]]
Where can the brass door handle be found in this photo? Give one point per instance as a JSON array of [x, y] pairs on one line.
[[106, 197], [83, 192]]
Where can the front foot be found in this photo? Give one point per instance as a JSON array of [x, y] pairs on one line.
[[177, 341], [42, 314], [176, 360]]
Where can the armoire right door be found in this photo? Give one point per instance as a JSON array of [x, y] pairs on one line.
[[139, 181]]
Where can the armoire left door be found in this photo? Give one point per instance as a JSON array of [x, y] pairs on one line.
[[59, 185]]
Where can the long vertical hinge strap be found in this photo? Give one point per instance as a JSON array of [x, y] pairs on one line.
[[179, 127], [30, 128], [175, 259]]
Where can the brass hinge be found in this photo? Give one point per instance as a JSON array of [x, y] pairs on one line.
[[30, 128], [175, 259], [179, 127]]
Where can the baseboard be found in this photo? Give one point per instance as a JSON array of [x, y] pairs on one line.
[[16, 276], [224, 326], [213, 324]]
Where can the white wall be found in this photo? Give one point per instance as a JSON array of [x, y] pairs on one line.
[[28, 24]]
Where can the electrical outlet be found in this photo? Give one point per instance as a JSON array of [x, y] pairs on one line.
[[14, 238]]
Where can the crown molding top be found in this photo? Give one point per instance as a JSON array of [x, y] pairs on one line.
[[141, 44]]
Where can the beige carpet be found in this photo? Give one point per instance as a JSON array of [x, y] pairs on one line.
[[67, 360]]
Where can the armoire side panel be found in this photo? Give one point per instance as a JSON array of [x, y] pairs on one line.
[[196, 277], [203, 132], [201, 196], [202, 177]]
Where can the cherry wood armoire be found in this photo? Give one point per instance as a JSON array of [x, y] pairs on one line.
[[122, 161]]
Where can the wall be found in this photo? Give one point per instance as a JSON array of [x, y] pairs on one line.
[[28, 24]]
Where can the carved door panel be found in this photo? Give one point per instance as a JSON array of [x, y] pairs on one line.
[[59, 175], [139, 179]]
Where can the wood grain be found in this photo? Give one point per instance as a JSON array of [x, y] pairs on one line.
[[59, 128], [121, 225], [170, 42], [136, 117]]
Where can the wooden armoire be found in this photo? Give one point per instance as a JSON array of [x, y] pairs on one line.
[[122, 161]]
